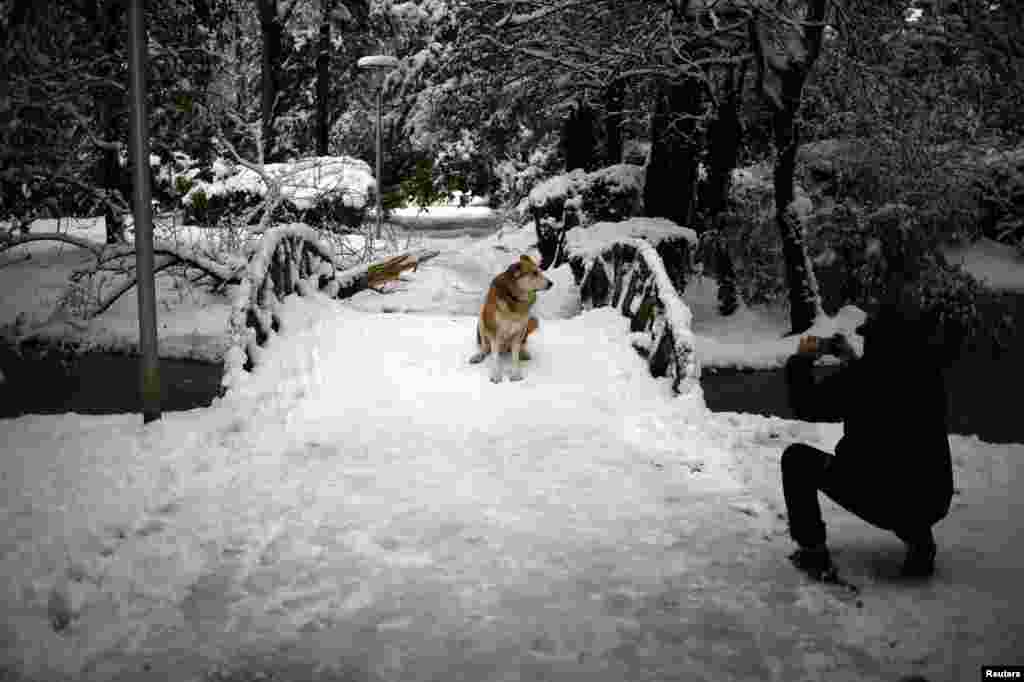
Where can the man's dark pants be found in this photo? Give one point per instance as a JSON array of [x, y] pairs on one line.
[[806, 470]]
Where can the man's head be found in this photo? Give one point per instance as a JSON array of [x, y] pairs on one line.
[[897, 313]]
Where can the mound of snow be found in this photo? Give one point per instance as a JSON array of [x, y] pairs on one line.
[[620, 179], [589, 241], [1000, 266], [302, 181]]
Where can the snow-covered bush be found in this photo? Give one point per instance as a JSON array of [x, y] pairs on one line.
[[516, 179], [612, 193], [1001, 190], [320, 191]]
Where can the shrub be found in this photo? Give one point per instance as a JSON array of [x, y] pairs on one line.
[[1001, 198], [608, 194], [325, 192], [613, 193], [182, 184], [516, 179]]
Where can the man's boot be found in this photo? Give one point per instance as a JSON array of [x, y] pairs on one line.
[[816, 562], [920, 561]]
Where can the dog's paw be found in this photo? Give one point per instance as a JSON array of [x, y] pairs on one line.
[[515, 376], [495, 378], [477, 358]]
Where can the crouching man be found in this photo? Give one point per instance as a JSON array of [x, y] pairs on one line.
[[892, 466]]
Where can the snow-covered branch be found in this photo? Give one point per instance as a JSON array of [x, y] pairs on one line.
[[171, 255], [522, 19]]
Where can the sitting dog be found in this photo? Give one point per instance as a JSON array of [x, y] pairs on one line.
[[505, 319]]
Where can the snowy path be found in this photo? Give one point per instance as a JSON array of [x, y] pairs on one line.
[[370, 507]]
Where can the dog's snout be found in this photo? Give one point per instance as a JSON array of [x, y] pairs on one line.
[[548, 284]]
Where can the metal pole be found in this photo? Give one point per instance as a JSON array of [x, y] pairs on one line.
[[138, 145], [380, 186]]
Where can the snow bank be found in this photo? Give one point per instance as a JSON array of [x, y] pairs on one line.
[[629, 274], [371, 501], [1000, 266], [255, 317], [302, 182], [244, 344], [589, 242]]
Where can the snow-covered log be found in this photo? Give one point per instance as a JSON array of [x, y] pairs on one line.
[[629, 274], [291, 259]]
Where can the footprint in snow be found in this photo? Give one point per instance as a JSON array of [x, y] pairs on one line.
[[747, 509], [150, 527]]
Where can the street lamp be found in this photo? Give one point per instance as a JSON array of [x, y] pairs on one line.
[[381, 64]]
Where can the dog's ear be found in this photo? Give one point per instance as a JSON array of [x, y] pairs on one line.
[[503, 282]]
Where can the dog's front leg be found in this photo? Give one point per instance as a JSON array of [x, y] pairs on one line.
[[494, 347], [495, 364], [517, 366], [483, 345]]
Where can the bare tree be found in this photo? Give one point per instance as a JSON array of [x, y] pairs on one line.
[[786, 47]]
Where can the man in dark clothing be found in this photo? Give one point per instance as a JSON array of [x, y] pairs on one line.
[[892, 466]]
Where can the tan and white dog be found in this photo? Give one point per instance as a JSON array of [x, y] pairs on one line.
[[505, 319]]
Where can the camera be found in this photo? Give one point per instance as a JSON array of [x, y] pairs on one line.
[[822, 345]]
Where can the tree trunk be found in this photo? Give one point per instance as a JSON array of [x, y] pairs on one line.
[[613, 122], [323, 63], [670, 185], [789, 72], [804, 301], [725, 134], [578, 138], [111, 175], [271, 29]]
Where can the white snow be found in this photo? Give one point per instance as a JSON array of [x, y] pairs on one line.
[[619, 179], [589, 241], [302, 182], [377, 61], [368, 504], [1000, 266], [558, 187]]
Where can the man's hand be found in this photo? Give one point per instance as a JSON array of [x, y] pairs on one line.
[[841, 347], [837, 345]]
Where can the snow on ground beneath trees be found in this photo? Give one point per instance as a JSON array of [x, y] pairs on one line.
[[193, 322], [1000, 266], [430, 523], [369, 505]]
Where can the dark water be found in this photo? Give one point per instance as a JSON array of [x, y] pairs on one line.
[[99, 383], [980, 396], [983, 388]]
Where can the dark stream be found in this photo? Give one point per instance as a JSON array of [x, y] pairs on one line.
[[983, 387]]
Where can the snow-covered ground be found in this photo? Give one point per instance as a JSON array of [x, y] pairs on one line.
[[368, 506]]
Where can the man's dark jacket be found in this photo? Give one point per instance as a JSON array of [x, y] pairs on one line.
[[892, 402]]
